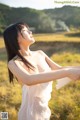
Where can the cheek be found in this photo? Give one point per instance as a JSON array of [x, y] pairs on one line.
[[25, 35], [26, 39]]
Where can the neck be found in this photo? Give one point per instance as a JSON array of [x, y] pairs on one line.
[[25, 51]]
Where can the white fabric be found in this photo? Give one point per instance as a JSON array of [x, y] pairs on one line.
[[35, 101], [62, 82]]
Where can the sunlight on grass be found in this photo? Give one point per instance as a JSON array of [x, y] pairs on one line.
[[12, 113], [16, 91], [67, 58], [3, 91], [55, 37], [1, 42]]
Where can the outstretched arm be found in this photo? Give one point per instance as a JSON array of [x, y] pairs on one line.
[[32, 79]]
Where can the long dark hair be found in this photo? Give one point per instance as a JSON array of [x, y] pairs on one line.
[[12, 47]]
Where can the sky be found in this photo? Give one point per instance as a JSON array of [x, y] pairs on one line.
[[40, 4]]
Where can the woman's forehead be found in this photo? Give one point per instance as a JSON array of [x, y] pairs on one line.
[[24, 28]]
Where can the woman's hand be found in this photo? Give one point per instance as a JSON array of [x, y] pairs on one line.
[[74, 73]]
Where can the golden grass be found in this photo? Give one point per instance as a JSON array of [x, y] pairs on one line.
[[66, 58], [56, 37], [1, 42]]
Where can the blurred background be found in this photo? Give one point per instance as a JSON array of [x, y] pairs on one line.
[[57, 33]]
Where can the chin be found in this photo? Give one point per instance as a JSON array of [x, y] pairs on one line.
[[33, 40]]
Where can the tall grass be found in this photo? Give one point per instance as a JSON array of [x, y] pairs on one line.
[[66, 37]]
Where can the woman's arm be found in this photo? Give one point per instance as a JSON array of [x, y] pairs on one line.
[[26, 78]]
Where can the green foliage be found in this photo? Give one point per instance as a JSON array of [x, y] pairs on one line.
[[68, 14], [45, 24], [46, 21]]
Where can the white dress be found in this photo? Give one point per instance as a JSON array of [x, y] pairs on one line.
[[35, 102]]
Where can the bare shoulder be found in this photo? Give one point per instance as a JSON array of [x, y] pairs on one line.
[[12, 61]]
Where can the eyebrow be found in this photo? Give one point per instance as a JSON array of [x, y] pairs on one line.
[[24, 29]]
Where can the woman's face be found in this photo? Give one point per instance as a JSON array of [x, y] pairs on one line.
[[25, 37]]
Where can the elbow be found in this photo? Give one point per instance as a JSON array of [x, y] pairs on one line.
[[28, 81], [29, 84]]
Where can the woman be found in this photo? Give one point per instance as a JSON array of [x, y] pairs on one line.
[[34, 70]]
